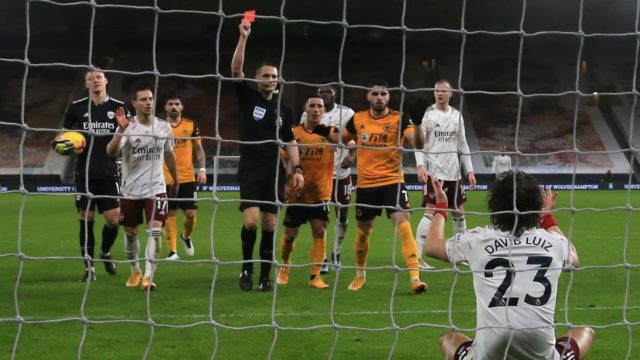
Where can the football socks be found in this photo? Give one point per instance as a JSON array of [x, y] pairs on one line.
[[459, 224], [408, 244], [132, 251], [422, 232], [362, 249], [152, 252], [248, 238], [266, 253], [87, 239], [341, 230], [318, 249], [286, 248], [109, 236], [171, 228], [188, 226]]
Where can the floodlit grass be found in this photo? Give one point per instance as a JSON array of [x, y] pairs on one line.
[[199, 310]]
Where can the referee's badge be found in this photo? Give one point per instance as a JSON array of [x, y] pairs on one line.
[[258, 113]]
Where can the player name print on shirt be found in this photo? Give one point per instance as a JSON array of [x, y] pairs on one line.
[[258, 113]]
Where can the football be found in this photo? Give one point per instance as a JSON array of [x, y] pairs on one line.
[[77, 139]]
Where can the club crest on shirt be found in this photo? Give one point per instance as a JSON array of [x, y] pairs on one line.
[[111, 115], [258, 113], [386, 128]]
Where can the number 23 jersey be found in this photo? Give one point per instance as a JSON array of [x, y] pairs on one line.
[[515, 279]]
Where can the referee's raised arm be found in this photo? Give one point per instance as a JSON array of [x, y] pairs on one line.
[[237, 62]]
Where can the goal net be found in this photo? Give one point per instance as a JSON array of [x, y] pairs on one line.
[[554, 83]]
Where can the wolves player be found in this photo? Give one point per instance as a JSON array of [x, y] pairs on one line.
[[317, 158], [187, 143], [95, 115], [337, 115], [378, 132], [146, 143], [445, 140], [516, 265]]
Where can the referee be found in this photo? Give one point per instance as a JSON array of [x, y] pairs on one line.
[[98, 127], [260, 119]]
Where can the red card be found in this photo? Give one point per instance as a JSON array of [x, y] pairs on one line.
[[250, 15]]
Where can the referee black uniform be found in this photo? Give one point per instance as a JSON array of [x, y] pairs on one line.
[[102, 169], [258, 121], [258, 162]]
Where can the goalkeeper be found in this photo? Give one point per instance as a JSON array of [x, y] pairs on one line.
[[95, 172]]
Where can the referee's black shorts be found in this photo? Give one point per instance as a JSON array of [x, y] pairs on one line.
[[261, 186], [99, 188], [387, 195]]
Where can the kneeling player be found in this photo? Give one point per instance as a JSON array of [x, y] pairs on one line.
[[317, 161], [516, 265], [146, 142]]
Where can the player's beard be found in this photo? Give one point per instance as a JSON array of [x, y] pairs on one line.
[[379, 106]]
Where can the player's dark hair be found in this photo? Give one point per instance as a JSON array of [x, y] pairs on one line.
[[172, 96], [528, 200], [266, 63], [378, 82], [442, 81], [330, 86], [138, 88], [90, 70], [313, 96]]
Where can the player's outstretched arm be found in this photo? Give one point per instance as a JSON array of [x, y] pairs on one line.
[[436, 246], [548, 204], [123, 122], [237, 62]]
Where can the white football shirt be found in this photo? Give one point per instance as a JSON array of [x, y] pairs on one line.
[[501, 163], [338, 117], [444, 141], [143, 150], [525, 301]]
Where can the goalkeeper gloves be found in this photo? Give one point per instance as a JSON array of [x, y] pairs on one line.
[[322, 130], [63, 147]]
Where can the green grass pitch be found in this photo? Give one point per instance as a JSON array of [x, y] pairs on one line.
[[199, 310]]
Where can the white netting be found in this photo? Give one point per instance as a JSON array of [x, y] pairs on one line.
[[403, 48]]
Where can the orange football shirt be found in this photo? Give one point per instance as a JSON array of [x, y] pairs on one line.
[[185, 134], [317, 164], [379, 163]]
